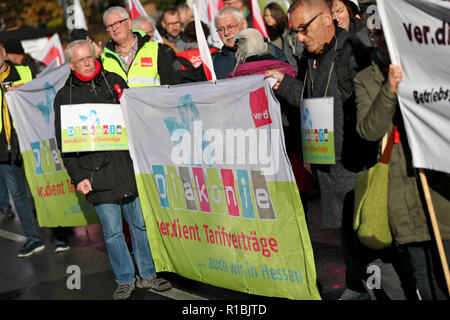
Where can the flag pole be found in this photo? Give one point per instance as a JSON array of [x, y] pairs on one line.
[[434, 224]]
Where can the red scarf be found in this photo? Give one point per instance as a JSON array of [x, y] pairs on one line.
[[98, 67]]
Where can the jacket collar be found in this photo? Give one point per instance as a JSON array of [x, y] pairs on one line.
[[381, 68], [142, 38], [75, 81], [13, 73], [227, 51]]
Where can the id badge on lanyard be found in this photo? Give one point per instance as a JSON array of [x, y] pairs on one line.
[[92, 127]]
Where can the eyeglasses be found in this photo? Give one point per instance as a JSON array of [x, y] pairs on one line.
[[85, 59], [173, 23], [115, 24], [304, 28], [229, 28]]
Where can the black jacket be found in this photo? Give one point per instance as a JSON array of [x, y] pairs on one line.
[[110, 172], [13, 155]]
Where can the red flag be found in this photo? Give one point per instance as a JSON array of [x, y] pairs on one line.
[[135, 8], [53, 50]]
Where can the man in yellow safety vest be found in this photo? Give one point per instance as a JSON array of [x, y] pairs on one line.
[[130, 54]]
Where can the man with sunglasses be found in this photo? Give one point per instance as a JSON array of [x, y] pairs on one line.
[[106, 178], [327, 68], [130, 54]]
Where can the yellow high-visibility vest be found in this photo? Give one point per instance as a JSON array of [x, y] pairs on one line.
[[25, 76]]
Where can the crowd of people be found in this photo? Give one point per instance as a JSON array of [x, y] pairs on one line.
[[318, 49]]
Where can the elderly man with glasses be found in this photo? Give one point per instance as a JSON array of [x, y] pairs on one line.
[[329, 68], [173, 29], [131, 54], [106, 178], [229, 22]]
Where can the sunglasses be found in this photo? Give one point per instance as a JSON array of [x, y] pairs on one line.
[[303, 29]]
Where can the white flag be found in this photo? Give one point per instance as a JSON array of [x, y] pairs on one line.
[[258, 21], [75, 17], [203, 47]]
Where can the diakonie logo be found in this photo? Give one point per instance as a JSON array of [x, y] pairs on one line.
[[255, 147]]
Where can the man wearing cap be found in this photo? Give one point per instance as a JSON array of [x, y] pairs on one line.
[[16, 54]]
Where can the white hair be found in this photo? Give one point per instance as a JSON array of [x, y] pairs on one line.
[[137, 23], [120, 10], [68, 50], [229, 10]]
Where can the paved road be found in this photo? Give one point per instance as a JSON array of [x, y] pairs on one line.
[[44, 276]]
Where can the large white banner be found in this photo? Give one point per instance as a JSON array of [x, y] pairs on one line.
[[31, 108], [417, 33], [217, 191]]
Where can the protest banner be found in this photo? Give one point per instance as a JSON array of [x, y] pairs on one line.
[[424, 92], [318, 130], [55, 199], [413, 29], [92, 127], [217, 191]]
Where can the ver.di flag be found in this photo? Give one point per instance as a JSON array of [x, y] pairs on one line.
[[55, 199], [217, 190], [417, 33]]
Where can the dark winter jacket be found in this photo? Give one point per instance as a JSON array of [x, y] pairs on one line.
[[110, 173], [348, 144]]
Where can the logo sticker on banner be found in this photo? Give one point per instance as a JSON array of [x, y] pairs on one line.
[[318, 130]]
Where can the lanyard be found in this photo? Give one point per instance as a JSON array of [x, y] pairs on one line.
[[312, 79]]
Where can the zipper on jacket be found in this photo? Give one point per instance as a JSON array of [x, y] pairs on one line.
[[93, 87]]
